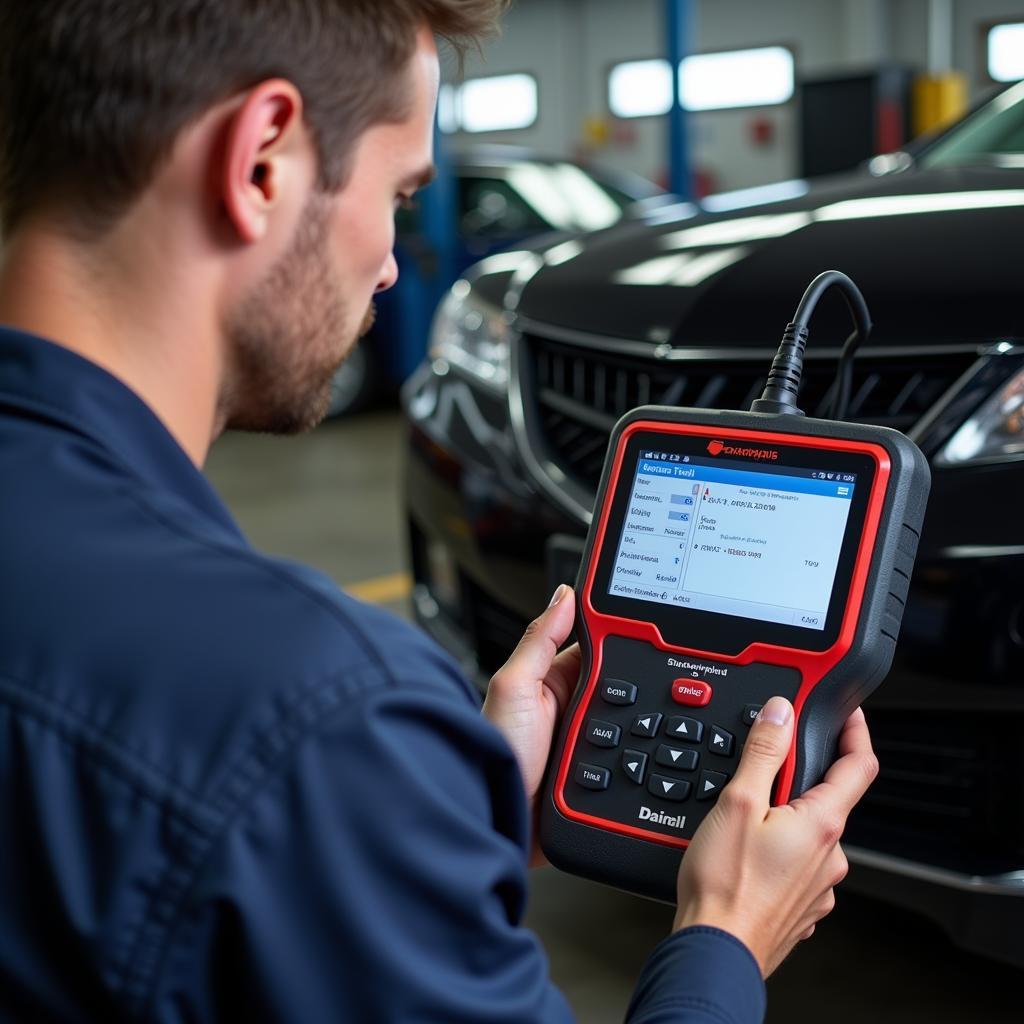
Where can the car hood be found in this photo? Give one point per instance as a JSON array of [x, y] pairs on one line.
[[936, 254]]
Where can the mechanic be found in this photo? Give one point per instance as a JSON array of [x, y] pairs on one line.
[[228, 791]]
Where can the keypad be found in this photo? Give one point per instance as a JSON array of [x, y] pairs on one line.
[[644, 760]]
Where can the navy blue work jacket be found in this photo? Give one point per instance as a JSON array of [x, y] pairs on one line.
[[228, 791]]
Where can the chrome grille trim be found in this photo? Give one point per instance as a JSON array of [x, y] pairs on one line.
[[570, 381]]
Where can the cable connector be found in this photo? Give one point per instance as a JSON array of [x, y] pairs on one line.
[[783, 386]]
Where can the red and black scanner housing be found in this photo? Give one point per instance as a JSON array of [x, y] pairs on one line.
[[706, 673]]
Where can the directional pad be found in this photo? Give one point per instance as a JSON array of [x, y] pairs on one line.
[[668, 789], [720, 741], [676, 757], [634, 764], [646, 725], [710, 785], [688, 729]]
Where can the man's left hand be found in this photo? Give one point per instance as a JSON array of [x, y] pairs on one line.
[[529, 693]]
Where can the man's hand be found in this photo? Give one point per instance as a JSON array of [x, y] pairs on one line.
[[528, 694], [765, 874]]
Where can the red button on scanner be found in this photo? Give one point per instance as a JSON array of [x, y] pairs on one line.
[[693, 692]]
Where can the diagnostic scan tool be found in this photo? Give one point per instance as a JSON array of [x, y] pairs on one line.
[[732, 556]]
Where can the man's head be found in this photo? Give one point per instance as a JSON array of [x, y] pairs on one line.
[[314, 119]]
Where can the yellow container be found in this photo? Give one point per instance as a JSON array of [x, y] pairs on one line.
[[937, 100]]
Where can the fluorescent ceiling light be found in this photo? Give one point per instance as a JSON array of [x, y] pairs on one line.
[[499, 103], [740, 78], [640, 88], [1006, 52]]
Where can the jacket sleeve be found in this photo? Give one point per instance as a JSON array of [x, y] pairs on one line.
[[699, 976], [381, 875]]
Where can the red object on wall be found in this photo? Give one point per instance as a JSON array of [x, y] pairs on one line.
[[762, 131], [889, 130]]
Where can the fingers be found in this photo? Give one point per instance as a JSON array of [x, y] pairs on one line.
[[766, 748], [854, 736], [532, 658], [564, 675], [850, 776]]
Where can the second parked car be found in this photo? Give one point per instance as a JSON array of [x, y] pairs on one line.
[[503, 195]]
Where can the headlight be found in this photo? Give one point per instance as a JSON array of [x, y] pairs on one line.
[[995, 431], [473, 335]]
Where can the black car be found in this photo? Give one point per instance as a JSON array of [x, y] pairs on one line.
[[533, 361]]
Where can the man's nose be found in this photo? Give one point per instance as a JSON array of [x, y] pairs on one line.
[[388, 273]]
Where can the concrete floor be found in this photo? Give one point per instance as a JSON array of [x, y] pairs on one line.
[[330, 499]]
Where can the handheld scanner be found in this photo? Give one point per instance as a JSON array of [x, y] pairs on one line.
[[732, 556]]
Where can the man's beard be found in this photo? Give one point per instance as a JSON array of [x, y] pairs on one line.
[[287, 339]]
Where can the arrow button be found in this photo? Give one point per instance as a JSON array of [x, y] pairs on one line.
[[680, 758], [720, 741], [688, 729], [646, 725], [634, 765], [665, 788], [710, 785]]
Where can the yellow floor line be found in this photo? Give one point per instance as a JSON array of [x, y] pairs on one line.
[[382, 589]]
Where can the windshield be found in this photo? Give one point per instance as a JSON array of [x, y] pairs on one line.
[[994, 135]]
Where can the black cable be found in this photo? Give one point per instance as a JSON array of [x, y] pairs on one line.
[[844, 378], [783, 386]]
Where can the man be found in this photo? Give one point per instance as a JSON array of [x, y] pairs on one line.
[[228, 792]]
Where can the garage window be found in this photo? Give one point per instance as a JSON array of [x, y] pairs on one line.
[[1006, 52], [494, 104], [707, 81]]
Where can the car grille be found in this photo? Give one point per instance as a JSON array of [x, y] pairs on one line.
[[580, 393], [943, 790]]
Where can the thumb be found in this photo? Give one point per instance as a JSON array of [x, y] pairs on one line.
[[532, 658], [765, 750]]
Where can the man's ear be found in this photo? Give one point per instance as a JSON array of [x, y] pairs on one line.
[[265, 156]]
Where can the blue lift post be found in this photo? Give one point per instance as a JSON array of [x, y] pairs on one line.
[[427, 264], [677, 25]]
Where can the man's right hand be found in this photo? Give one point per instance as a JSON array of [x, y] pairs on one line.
[[765, 874]]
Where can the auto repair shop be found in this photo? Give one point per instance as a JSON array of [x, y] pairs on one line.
[[623, 205]]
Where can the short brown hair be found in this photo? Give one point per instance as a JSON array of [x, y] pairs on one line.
[[93, 93]]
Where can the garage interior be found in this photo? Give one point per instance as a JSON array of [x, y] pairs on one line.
[[773, 139]]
